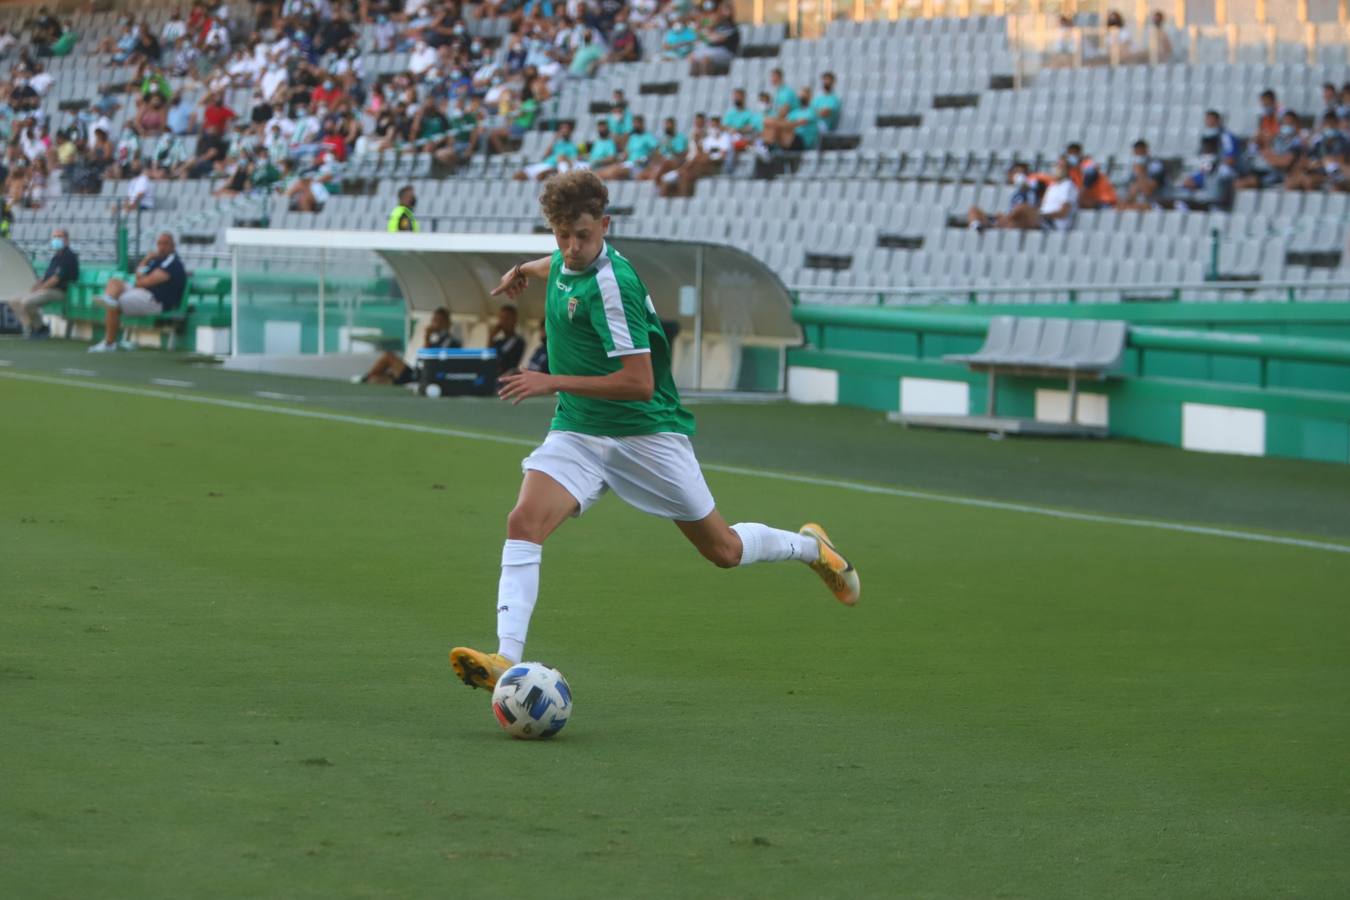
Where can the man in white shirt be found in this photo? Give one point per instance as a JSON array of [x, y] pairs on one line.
[[41, 81], [423, 57], [1060, 201], [140, 190], [172, 30], [273, 80]]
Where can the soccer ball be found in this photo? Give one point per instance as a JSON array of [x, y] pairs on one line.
[[532, 701]]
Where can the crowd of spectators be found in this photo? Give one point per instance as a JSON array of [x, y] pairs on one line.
[[1283, 150], [312, 104]]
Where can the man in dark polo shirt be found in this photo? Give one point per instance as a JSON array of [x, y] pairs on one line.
[[160, 284], [508, 343], [61, 271]]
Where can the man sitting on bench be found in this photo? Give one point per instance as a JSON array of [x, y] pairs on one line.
[[63, 269], [160, 284]]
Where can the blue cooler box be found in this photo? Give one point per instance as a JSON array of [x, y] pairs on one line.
[[457, 372]]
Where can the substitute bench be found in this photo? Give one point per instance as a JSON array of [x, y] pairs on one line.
[[1074, 349]]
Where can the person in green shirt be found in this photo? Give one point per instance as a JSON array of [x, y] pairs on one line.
[[587, 58], [826, 104], [741, 120], [799, 130], [619, 426], [785, 99], [637, 154], [563, 152], [602, 150], [620, 119], [522, 120], [671, 150]]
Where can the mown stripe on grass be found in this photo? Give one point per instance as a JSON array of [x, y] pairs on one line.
[[857, 486]]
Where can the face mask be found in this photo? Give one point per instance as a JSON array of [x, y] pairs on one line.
[[1019, 179], [670, 131], [328, 85], [1141, 157], [475, 48], [58, 243], [1287, 130], [1071, 159], [766, 106], [1329, 132], [1210, 133], [1206, 161], [298, 36]]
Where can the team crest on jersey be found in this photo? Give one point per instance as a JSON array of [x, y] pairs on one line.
[[571, 307]]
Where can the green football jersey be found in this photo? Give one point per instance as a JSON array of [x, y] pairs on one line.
[[593, 318]]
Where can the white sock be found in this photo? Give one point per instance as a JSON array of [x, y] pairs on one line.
[[760, 543], [517, 592]]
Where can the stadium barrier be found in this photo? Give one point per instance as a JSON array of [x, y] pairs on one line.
[[1259, 388]]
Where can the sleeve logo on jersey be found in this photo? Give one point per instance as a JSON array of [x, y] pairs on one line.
[[571, 307]]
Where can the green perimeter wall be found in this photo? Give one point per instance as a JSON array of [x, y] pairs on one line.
[[1291, 362]]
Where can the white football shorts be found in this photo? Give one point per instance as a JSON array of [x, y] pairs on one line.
[[656, 473]]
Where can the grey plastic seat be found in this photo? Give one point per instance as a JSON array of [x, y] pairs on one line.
[[1054, 338], [997, 342], [1108, 346], [1078, 346]]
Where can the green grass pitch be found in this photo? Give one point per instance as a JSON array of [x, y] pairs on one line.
[[223, 673]]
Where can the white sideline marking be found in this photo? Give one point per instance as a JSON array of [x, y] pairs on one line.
[[171, 382], [273, 395], [83, 373], [860, 487], [6, 362]]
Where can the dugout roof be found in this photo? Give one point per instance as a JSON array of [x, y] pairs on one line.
[[740, 295]]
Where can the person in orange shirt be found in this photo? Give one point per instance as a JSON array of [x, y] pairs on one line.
[[1095, 190], [1269, 118]]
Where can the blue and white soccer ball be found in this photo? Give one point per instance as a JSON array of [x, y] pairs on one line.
[[532, 701]]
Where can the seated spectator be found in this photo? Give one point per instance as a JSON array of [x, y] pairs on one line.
[[1148, 177], [1096, 190], [707, 156], [1321, 165], [603, 151], [305, 192], [679, 40], [140, 189], [521, 117], [586, 59], [745, 124], [159, 285], [212, 151], [1058, 203], [1228, 143], [1330, 99], [1269, 118], [1270, 160], [562, 153], [718, 42], [539, 358], [510, 346], [391, 368], [1343, 108], [620, 119], [799, 131], [1210, 184], [51, 288], [671, 149], [215, 114], [152, 117], [784, 98], [637, 154], [180, 118], [826, 104], [623, 45], [1025, 196]]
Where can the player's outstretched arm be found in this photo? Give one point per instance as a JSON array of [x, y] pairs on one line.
[[518, 277], [634, 381]]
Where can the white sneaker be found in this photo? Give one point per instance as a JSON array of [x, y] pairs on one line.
[[127, 345], [357, 379], [102, 347]]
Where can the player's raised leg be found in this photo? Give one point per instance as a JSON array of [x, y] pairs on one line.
[[543, 505], [746, 543]]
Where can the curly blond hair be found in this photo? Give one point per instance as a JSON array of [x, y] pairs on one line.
[[573, 194]]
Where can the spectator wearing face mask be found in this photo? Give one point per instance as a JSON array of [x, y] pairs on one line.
[[1269, 117], [744, 123], [329, 93], [1095, 190], [826, 104], [1148, 177], [1228, 144], [1022, 203], [1321, 166], [679, 40], [623, 45], [562, 153], [671, 150], [1210, 184], [63, 269], [1270, 162], [620, 119], [638, 153], [708, 155], [586, 59]]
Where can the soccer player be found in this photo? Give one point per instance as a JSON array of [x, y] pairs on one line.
[[619, 426]]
